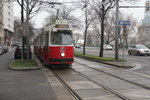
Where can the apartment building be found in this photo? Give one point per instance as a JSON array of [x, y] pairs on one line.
[[8, 19], [1, 23], [146, 22]]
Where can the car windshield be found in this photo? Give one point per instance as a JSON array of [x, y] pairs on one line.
[[141, 47], [61, 38], [20, 47], [77, 45], [108, 46]]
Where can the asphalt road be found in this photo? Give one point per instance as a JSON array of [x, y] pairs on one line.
[[142, 62]]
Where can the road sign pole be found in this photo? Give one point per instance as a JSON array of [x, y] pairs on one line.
[[116, 31]]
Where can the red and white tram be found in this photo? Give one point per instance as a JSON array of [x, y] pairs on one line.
[[55, 44]]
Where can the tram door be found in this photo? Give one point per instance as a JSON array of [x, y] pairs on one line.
[[46, 51]]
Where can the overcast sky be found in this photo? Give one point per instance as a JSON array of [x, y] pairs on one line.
[[138, 13]]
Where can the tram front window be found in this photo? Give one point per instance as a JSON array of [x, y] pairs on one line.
[[61, 38]]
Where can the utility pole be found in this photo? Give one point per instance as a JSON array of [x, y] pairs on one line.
[[116, 31], [27, 31], [22, 21]]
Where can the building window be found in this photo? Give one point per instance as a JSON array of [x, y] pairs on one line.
[[8, 26], [8, 6], [9, 19]]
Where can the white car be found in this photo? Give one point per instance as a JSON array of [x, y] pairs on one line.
[[107, 47], [1, 50], [138, 50]]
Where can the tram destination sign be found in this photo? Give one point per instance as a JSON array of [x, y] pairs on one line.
[[124, 22]]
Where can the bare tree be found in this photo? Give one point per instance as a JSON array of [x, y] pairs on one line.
[[84, 5], [31, 7], [96, 31], [34, 6], [109, 35], [66, 14], [102, 8], [89, 39], [139, 37], [17, 29]]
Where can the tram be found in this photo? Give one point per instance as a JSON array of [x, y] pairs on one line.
[[55, 44]]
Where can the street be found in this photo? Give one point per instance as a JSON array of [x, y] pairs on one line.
[[86, 80], [142, 62], [41, 42]]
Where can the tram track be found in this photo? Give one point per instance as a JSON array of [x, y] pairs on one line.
[[116, 93], [76, 96], [100, 85], [58, 74], [107, 88], [143, 86]]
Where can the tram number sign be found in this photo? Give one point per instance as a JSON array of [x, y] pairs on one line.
[[124, 22]]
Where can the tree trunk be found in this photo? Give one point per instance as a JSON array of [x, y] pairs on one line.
[[84, 41], [102, 31]]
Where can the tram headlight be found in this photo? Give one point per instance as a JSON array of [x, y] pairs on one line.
[[62, 54]]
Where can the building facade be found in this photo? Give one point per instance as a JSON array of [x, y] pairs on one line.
[[1, 24], [146, 23], [8, 20]]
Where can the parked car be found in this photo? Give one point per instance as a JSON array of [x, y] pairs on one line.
[[18, 52], [77, 45], [138, 50], [5, 48], [107, 47], [1, 50]]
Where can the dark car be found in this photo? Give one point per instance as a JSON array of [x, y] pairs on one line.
[[18, 52], [1, 50], [138, 50], [5, 49]]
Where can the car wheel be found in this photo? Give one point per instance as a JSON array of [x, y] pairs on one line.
[[15, 57], [137, 53], [129, 53]]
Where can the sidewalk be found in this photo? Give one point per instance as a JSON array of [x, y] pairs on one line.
[[22, 85]]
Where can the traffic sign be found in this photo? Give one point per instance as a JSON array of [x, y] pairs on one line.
[[124, 22]]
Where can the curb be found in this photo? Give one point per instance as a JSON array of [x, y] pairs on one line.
[[23, 69], [108, 63]]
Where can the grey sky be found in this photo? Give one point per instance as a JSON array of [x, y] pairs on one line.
[[138, 13]]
